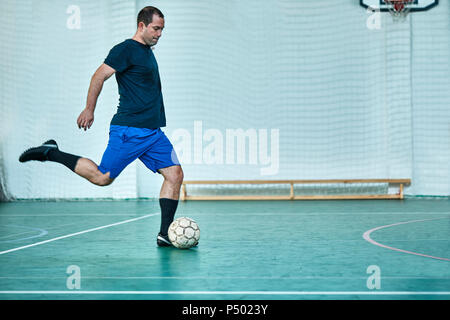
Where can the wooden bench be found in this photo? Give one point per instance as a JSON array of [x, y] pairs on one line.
[[291, 196]]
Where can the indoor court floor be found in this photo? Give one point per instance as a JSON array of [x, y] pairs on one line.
[[348, 249]]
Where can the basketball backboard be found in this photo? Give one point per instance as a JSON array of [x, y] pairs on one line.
[[416, 5]]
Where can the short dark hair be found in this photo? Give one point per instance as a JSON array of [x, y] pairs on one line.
[[146, 15]]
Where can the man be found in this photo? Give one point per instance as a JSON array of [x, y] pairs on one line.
[[135, 128]]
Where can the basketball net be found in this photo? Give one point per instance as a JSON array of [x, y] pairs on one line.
[[399, 9]]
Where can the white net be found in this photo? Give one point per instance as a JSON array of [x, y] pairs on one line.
[[4, 195], [253, 90], [399, 9]]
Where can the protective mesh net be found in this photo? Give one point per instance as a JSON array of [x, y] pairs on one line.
[[253, 90]]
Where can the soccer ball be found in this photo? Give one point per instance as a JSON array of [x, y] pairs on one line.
[[184, 233]]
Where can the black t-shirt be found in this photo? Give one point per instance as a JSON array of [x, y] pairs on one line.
[[141, 103]]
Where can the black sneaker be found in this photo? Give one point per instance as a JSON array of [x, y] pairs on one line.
[[163, 241], [39, 153]]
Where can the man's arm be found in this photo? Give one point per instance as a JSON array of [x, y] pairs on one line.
[[86, 117]]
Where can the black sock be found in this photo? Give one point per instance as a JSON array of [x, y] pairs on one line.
[[168, 208], [67, 159]]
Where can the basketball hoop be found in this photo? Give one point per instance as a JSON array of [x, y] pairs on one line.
[[399, 9]]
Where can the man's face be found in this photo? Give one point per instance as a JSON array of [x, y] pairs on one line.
[[152, 32]]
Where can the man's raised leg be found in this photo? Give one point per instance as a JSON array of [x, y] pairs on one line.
[[84, 167]]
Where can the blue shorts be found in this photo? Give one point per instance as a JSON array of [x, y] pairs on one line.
[[126, 144]]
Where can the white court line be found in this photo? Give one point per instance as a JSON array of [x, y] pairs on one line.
[[78, 233], [42, 232], [70, 215], [388, 213], [297, 293], [223, 278]]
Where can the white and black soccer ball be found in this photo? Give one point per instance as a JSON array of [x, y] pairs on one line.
[[184, 233]]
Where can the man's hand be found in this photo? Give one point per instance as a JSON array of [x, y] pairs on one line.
[[85, 119]]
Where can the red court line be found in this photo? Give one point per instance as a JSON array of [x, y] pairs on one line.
[[366, 236]]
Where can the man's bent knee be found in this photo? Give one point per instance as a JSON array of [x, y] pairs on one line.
[[173, 175], [179, 175], [103, 180]]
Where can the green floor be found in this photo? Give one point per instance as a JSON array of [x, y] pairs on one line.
[[247, 250]]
